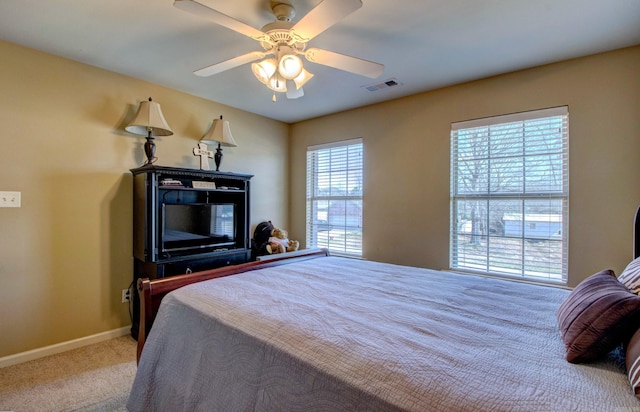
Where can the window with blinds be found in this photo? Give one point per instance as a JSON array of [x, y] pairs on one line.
[[509, 195], [334, 197]]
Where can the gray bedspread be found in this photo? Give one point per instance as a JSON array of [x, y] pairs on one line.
[[333, 334]]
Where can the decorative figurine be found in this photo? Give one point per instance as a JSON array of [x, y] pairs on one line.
[[204, 154]]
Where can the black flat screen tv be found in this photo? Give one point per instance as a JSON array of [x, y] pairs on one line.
[[188, 228]]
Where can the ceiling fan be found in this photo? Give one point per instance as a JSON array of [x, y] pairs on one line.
[[283, 42]]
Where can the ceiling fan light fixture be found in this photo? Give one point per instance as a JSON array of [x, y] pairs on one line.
[[264, 70], [285, 41], [290, 66], [302, 78]]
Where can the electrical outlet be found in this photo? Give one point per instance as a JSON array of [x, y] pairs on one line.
[[9, 199], [126, 295]]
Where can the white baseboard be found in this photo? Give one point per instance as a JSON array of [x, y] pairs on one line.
[[62, 347]]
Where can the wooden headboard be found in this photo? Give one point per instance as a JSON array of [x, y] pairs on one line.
[[636, 234], [151, 292]]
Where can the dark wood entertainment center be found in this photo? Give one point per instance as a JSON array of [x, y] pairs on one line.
[[187, 220]]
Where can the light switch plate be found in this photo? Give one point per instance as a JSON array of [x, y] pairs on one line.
[[9, 199]]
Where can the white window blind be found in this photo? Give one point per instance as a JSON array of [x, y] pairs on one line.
[[509, 195], [334, 197]]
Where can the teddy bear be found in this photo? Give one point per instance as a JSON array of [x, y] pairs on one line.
[[267, 239], [279, 242]]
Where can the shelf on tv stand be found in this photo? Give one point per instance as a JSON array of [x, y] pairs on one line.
[[218, 258]]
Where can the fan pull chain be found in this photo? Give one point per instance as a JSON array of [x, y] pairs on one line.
[[273, 99]]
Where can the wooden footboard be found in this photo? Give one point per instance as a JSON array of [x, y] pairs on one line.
[[151, 292]]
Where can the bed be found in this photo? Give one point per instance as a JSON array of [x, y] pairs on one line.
[[322, 333]]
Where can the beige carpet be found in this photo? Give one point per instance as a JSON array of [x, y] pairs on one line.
[[97, 377]]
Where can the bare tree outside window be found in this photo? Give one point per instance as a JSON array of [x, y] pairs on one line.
[[509, 193]]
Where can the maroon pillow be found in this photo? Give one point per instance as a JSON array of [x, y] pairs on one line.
[[598, 315]]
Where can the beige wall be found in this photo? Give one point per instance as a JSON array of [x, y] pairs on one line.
[[406, 212], [65, 255]]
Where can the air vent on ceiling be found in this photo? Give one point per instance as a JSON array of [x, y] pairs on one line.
[[383, 85]]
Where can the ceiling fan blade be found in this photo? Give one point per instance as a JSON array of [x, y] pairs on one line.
[[323, 16], [229, 64], [199, 9], [344, 62]]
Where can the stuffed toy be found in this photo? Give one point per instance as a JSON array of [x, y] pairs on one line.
[[260, 240], [279, 242], [268, 239]]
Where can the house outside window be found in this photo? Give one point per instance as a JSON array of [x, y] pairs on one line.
[[509, 195], [334, 197]]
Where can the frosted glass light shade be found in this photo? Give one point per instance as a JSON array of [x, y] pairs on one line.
[[302, 78], [277, 83], [290, 66], [264, 70]]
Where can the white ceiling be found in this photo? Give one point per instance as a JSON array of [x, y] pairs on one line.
[[424, 44]]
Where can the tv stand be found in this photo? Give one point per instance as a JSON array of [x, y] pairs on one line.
[[212, 215]]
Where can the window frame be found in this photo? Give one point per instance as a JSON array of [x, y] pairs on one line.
[[335, 231], [558, 267]]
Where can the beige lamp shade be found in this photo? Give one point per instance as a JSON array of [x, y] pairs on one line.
[[220, 132], [149, 119]]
